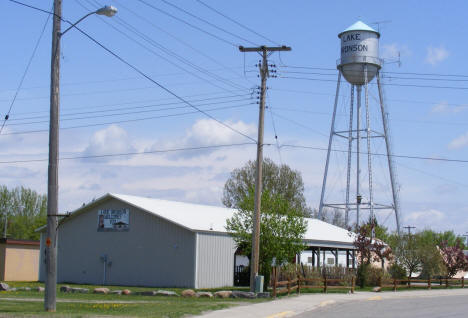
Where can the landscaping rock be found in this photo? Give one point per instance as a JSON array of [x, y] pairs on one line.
[[166, 293], [4, 286], [24, 288], [65, 289], [80, 290], [126, 292], [263, 295], [205, 294], [377, 289], [12, 289], [223, 294], [189, 293], [39, 289], [241, 294], [147, 293], [116, 292], [101, 290]]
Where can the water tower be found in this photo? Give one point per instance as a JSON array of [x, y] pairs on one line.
[[359, 65]]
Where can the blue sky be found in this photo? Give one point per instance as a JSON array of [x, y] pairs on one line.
[[99, 90]]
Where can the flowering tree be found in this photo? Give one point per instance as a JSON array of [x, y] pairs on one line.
[[454, 258]]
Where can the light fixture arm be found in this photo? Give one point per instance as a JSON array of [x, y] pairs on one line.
[[74, 24]]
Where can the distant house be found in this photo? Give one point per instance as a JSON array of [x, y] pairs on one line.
[[129, 240], [19, 260]]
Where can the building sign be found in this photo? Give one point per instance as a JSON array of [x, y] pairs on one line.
[[113, 220]]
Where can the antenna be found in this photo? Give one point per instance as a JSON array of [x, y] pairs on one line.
[[378, 23]]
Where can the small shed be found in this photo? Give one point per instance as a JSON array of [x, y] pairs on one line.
[[137, 241], [19, 260]]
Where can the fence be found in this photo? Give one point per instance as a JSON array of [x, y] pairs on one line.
[[423, 283], [323, 280]]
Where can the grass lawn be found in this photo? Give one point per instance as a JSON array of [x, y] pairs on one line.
[[85, 305]]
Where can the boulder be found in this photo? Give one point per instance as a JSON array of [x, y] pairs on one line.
[[126, 292], [263, 295], [223, 294], [101, 290], [147, 293], [377, 289], [116, 292], [241, 294], [4, 286], [204, 294], [39, 289], [65, 289], [189, 293], [166, 293], [12, 289], [24, 288]]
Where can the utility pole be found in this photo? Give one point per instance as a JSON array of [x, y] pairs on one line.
[[409, 228], [264, 74], [52, 183]]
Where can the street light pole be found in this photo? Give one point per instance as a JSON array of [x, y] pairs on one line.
[[52, 182]]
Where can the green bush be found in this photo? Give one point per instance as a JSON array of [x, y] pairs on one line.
[[397, 271], [363, 275]]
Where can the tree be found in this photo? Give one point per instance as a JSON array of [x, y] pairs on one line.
[[282, 229], [454, 258], [332, 216], [25, 210], [408, 253], [277, 180]]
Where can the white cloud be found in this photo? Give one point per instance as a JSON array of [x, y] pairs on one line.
[[393, 50], [207, 132], [445, 107], [110, 140], [425, 218], [436, 55], [459, 142]]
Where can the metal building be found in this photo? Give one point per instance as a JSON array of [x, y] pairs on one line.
[[136, 241]]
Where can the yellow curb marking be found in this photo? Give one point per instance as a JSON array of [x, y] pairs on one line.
[[326, 303], [282, 314], [375, 298]]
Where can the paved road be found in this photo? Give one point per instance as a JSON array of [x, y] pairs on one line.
[[416, 303], [454, 306]]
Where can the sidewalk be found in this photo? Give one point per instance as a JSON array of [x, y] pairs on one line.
[[294, 305]]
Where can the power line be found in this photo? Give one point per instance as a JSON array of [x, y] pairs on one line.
[[236, 22], [136, 120], [94, 116], [144, 74], [168, 52], [378, 154], [151, 23], [139, 107], [133, 153], [387, 84], [209, 23], [7, 116], [187, 23]]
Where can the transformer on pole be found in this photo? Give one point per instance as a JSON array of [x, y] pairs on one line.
[[359, 65]]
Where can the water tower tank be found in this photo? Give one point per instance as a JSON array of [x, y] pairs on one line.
[[359, 47]]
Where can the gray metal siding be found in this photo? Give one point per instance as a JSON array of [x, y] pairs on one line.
[[154, 252], [215, 260]]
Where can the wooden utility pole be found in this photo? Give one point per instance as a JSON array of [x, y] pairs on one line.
[[52, 183], [264, 74], [409, 228]]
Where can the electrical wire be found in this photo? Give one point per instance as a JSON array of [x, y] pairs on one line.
[[7, 116], [133, 153], [136, 120], [189, 24], [378, 154], [237, 23], [118, 57], [207, 22]]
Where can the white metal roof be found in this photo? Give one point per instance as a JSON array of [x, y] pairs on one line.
[[359, 26], [198, 217]]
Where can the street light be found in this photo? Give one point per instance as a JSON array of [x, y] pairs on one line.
[[52, 182]]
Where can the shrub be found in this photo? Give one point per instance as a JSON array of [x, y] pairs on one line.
[[397, 271], [363, 275]]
